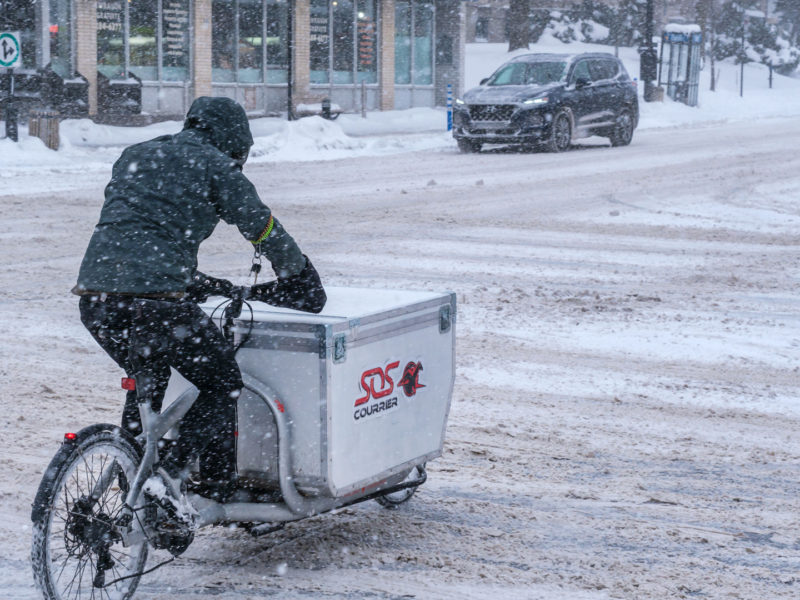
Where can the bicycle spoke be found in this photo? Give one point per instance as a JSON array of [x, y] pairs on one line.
[[119, 554], [63, 566], [72, 581], [93, 572]]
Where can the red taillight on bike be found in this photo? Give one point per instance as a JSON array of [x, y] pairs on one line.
[[70, 437], [128, 383]]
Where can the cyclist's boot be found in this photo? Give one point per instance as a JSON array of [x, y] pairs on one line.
[[168, 491]]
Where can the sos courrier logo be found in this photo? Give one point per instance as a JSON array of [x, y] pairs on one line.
[[379, 382]]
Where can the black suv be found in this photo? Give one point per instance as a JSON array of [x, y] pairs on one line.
[[548, 100]]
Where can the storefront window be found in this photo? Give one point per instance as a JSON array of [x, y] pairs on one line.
[[320, 41], [277, 41], [142, 41], [60, 44], [110, 38], [413, 54], [223, 41], [343, 41], [423, 44], [251, 32], [402, 42], [175, 40], [367, 50]]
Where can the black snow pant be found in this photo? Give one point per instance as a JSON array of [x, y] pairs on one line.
[[149, 336]]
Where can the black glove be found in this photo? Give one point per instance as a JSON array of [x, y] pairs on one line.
[[203, 286], [303, 291]]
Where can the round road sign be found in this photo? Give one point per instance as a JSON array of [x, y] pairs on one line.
[[9, 49]]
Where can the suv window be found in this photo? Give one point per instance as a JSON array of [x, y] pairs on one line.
[[581, 71], [603, 68]]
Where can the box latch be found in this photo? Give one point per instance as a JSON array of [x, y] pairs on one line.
[[339, 348], [444, 318]]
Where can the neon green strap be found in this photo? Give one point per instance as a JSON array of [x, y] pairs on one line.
[[267, 230]]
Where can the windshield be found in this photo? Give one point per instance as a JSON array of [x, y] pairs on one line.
[[528, 73]]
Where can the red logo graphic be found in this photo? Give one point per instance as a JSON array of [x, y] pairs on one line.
[[381, 377], [410, 380]]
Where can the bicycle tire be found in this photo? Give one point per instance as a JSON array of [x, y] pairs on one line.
[[73, 514]]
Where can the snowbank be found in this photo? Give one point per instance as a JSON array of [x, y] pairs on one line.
[[92, 146]]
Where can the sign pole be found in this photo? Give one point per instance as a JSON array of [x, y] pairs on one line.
[[290, 66]]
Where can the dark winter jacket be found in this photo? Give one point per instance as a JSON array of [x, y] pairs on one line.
[[167, 195]]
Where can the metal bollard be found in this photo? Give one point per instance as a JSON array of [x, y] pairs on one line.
[[449, 107], [326, 108], [363, 99]]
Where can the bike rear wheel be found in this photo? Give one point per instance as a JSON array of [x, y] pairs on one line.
[[79, 549]]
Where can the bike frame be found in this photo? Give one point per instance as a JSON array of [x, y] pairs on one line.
[[294, 506]]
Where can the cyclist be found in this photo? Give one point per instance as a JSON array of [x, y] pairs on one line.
[[139, 283]]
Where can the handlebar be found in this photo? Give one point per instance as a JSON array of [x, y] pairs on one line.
[[233, 310], [237, 297]]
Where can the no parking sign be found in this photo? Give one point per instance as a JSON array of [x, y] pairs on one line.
[[10, 53]]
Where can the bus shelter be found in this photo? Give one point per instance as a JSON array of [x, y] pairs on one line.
[[679, 62]]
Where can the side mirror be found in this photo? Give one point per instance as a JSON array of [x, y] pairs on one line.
[[484, 80], [581, 82]]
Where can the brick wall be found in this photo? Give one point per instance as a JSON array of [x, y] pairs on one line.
[[201, 48], [301, 36], [86, 46], [386, 58]]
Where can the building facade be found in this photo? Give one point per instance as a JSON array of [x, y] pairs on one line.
[[382, 54]]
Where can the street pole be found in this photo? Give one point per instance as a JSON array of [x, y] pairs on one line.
[[648, 57], [290, 54], [713, 38]]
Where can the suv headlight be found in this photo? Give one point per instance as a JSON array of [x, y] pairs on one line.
[[459, 101], [542, 100]]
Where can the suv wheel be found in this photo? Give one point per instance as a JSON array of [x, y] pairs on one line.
[[468, 146], [623, 130], [560, 133]]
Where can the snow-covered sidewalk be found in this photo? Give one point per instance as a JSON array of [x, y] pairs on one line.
[[87, 146]]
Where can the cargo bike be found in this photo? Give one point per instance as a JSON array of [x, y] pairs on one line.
[[337, 408]]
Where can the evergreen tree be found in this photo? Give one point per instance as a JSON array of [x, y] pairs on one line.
[[789, 12], [747, 38], [631, 16]]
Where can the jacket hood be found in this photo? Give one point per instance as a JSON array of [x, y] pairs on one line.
[[224, 121]]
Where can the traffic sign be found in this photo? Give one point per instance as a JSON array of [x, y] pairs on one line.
[[10, 49]]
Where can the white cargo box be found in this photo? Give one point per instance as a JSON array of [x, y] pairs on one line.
[[365, 387]]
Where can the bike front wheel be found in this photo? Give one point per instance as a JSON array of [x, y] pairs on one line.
[[80, 549]]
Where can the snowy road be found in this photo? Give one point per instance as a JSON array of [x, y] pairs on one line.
[[626, 418]]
